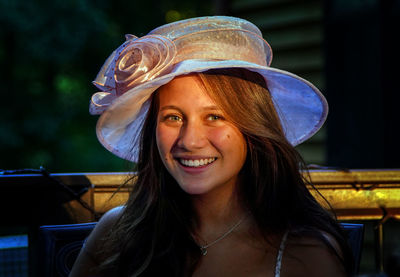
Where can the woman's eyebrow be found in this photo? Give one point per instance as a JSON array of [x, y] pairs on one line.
[[206, 108], [169, 107], [211, 108]]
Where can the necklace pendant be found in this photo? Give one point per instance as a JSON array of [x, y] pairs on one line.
[[203, 249]]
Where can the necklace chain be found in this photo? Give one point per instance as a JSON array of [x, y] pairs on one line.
[[203, 248]]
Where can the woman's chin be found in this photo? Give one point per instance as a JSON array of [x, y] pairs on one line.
[[194, 189]]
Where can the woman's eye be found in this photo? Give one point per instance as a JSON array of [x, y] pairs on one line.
[[213, 117], [173, 118]]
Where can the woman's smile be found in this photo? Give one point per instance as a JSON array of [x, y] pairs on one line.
[[200, 148], [193, 167], [192, 162]]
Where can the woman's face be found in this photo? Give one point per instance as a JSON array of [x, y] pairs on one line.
[[201, 149]]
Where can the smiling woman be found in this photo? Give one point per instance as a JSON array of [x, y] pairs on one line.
[[202, 151], [218, 190]]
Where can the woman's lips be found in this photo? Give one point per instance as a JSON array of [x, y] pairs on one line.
[[196, 162]]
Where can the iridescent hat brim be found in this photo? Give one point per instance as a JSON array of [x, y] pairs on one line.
[[301, 107]]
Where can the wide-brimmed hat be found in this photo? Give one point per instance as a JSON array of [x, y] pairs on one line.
[[141, 65]]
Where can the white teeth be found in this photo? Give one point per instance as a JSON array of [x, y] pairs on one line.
[[196, 163]]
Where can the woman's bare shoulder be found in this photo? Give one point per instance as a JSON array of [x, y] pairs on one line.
[[110, 217], [87, 260], [104, 225], [311, 256]]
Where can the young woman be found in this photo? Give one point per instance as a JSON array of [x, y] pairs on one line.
[[218, 190]]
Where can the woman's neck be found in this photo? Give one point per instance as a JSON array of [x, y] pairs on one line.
[[215, 214]]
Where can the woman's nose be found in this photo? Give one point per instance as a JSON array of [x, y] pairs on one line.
[[192, 136]]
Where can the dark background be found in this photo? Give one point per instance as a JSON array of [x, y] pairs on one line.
[[362, 58], [51, 50]]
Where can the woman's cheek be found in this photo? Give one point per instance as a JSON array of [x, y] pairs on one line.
[[229, 140], [225, 136], [162, 140], [220, 136]]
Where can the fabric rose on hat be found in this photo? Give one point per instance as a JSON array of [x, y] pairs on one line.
[[136, 61]]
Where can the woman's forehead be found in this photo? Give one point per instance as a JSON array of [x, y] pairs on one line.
[[182, 81], [185, 90]]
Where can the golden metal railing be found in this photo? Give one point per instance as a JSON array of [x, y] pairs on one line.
[[353, 194], [360, 194]]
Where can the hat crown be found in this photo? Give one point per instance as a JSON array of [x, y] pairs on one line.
[[177, 29], [217, 38]]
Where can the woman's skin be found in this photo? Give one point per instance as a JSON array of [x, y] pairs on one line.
[[204, 152]]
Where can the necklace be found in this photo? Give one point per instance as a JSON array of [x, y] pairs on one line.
[[203, 248]]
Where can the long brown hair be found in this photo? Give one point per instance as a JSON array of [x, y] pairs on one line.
[[153, 235]]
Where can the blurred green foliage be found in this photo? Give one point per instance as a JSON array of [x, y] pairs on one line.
[[50, 51]]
